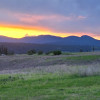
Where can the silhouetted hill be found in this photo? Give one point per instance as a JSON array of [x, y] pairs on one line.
[[48, 39], [42, 39], [83, 40], [48, 43]]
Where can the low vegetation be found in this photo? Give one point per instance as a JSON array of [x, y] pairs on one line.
[[57, 52], [85, 57], [49, 87], [31, 52], [74, 76], [40, 52], [4, 51]]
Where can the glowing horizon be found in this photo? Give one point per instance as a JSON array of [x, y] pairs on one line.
[[17, 31], [23, 31]]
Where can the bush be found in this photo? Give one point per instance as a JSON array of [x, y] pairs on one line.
[[11, 53], [40, 52], [57, 52], [31, 52], [3, 50], [81, 50], [47, 53]]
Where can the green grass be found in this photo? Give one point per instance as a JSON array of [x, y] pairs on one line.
[[49, 87], [68, 53], [85, 57]]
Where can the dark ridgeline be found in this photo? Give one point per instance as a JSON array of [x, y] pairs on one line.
[[48, 39], [48, 43]]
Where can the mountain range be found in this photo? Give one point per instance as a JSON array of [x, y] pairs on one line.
[[54, 40], [49, 43]]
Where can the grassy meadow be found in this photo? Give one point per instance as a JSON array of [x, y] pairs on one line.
[[49, 87], [66, 77]]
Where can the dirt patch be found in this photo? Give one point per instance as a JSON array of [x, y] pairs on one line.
[[25, 61]]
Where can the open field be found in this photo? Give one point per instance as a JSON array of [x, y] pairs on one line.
[[71, 76], [49, 87], [27, 61]]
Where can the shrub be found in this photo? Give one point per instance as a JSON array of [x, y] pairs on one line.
[[3, 50], [57, 52], [11, 53], [40, 52], [81, 50], [47, 53], [93, 48], [31, 52]]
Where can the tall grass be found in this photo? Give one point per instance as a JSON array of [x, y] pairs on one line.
[[82, 71]]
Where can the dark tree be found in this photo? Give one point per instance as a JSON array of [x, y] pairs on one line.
[[40, 52], [47, 53], [3, 50], [57, 52], [11, 53], [81, 50], [93, 48], [31, 52]]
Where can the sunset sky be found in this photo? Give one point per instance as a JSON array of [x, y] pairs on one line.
[[20, 18]]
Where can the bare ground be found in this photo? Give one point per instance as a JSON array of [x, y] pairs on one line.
[[17, 63]]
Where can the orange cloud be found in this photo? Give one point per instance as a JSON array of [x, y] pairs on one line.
[[82, 17], [23, 27], [29, 18], [34, 19]]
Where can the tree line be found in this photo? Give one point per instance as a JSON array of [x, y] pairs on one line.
[[32, 52], [5, 51]]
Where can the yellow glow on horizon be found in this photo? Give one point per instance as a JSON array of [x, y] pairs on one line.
[[19, 32], [22, 31]]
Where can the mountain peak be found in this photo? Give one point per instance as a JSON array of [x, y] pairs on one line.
[[86, 36]]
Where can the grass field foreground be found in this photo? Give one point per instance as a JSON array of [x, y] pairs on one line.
[[49, 87], [78, 80]]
